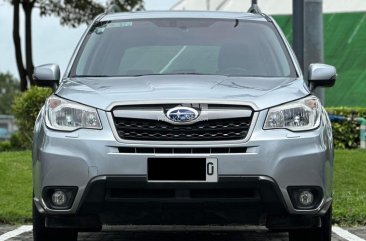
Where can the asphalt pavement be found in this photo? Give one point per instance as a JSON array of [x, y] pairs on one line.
[[24, 233]]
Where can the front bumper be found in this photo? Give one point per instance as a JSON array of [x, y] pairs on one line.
[[283, 157], [232, 201]]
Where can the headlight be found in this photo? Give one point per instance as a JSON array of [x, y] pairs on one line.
[[299, 115], [65, 115]]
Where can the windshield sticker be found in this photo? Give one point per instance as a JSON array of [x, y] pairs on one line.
[[120, 25], [99, 30]]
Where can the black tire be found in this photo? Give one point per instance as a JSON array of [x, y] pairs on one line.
[[315, 234], [41, 233]]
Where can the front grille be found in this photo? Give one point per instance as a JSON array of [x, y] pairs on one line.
[[208, 130]]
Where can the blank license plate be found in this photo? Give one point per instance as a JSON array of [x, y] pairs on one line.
[[182, 169]]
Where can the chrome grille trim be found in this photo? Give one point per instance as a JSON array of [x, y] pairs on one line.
[[159, 114], [201, 143]]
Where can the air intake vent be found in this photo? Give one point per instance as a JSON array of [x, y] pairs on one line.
[[167, 150]]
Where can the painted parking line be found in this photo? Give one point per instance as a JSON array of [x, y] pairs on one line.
[[345, 234], [5, 229], [16, 232]]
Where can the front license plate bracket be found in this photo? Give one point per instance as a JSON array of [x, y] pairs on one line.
[[182, 170]]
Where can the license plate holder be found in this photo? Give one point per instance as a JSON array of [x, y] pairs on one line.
[[182, 170]]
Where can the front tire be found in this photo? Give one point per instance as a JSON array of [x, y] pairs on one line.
[[41, 233], [324, 233]]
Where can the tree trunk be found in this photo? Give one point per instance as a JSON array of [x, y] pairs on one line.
[[28, 7], [18, 48]]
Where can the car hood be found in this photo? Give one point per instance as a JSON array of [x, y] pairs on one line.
[[104, 93]]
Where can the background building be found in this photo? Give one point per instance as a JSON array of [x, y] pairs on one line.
[[7, 126]]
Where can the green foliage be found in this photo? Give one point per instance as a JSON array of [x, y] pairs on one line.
[[25, 109], [16, 142], [5, 146], [347, 111], [8, 89], [76, 12], [347, 133], [72, 13], [127, 5]]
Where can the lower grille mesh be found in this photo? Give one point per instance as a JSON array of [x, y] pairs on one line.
[[180, 150]]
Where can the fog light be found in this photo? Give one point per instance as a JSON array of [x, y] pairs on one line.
[[306, 198], [59, 198]]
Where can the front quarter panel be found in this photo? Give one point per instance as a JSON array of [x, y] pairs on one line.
[[329, 143], [38, 138]]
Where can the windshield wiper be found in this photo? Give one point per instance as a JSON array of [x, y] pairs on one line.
[[139, 75], [178, 73], [187, 73], [90, 76]]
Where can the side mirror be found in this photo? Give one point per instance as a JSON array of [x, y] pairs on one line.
[[47, 75], [322, 75]]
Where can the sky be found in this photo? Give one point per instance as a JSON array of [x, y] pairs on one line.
[[52, 43]]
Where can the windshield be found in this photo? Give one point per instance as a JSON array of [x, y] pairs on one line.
[[183, 46]]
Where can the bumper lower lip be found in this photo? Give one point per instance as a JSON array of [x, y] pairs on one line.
[[135, 189], [132, 200], [105, 191], [102, 206]]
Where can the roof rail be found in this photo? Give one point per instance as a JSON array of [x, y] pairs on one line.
[[254, 8]]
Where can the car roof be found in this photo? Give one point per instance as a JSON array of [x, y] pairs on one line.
[[183, 14]]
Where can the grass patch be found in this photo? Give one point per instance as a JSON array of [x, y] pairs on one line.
[[349, 206], [15, 187], [350, 187]]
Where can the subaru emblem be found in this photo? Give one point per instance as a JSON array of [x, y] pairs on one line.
[[182, 114]]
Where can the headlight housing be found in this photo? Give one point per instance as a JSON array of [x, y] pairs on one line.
[[300, 115], [64, 115]]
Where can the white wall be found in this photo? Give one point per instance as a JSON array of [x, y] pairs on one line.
[[274, 7]]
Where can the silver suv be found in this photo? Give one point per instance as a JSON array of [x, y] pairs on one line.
[[190, 118]]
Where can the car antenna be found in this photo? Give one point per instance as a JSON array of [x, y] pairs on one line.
[[254, 8]]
